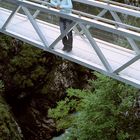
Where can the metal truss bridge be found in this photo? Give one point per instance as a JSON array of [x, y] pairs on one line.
[[31, 21]]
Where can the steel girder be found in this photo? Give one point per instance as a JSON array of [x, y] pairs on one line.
[[85, 20]]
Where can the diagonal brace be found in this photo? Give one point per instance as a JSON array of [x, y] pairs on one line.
[[96, 48], [38, 11], [102, 13], [127, 64], [10, 17], [36, 27], [68, 29], [131, 41]]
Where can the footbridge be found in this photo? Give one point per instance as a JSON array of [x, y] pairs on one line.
[[106, 33]]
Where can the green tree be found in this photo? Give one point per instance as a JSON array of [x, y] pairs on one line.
[[35, 80], [106, 111], [23, 68]]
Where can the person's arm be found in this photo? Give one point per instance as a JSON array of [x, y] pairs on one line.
[[68, 5], [54, 3]]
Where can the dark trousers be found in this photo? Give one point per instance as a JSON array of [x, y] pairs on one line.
[[68, 39]]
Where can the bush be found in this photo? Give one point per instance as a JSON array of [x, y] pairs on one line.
[[106, 111]]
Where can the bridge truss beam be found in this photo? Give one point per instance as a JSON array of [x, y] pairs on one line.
[[85, 21]]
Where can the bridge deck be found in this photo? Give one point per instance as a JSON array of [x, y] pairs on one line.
[[82, 53]]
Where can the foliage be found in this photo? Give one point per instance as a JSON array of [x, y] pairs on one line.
[[1, 87], [8, 127], [23, 68], [24, 71], [104, 112], [32, 79]]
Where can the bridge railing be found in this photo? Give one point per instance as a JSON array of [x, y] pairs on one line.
[[85, 22], [120, 14]]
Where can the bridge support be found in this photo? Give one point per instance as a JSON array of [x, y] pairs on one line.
[[107, 58]]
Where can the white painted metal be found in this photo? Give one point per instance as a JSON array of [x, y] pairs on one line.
[[127, 64], [131, 41], [108, 5], [38, 11], [109, 59], [28, 4], [96, 48], [113, 6], [33, 22], [10, 17]]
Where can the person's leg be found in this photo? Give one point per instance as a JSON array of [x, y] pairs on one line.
[[62, 24], [69, 41], [69, 36]]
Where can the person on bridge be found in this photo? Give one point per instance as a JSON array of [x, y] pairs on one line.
[[64, 6]]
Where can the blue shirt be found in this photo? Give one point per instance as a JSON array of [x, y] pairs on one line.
[[65, 5]]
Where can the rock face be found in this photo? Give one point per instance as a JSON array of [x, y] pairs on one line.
[[34, 81], [9, 129], [34, 121]]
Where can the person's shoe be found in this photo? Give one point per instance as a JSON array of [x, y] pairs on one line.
[[64, 48], [69, 49]]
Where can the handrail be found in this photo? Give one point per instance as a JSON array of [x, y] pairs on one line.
[[100, 18], [115, 23], [105, 1], [120, 4], [82, 14], [41, 2], [108, 21], [110, 2], [122, 8], [109, 5]]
